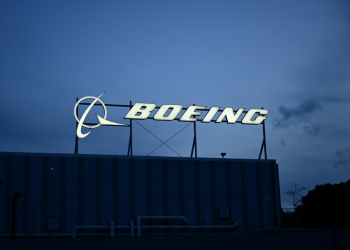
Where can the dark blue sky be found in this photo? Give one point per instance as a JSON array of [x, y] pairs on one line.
[[291, 58]]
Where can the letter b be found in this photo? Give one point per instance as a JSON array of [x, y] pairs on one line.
[[140, 111]]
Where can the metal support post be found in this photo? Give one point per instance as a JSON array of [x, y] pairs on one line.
[[263, 145], [194, 144], [130, 136], [264, 140], [76, 127], [192, 147], [261, 149], [52, 208], [195, 138]]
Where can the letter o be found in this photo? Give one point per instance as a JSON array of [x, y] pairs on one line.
[[164, 108]]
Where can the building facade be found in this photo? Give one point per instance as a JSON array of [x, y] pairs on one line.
[[66, 194]]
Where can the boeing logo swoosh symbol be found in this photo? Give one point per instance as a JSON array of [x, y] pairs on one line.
[[102, 121]]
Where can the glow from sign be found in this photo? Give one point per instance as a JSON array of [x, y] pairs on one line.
[[175, 110], [191, 111], [140, 111], [230, 116], [169, 112], [210, 115], [259, 119], [102, 121]]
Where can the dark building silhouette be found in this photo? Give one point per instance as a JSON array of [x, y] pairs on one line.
[[99, 195]]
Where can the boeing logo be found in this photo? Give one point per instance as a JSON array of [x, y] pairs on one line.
[[102, 121], [169, 112]]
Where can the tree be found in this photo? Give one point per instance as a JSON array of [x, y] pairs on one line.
[[295, 193], [325, 204], [288, 216]]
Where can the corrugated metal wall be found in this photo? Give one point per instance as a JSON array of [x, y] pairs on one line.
[[95, 190]]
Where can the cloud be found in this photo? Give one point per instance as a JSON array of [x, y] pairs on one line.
[[296, 115], [283, 143], [325, 73], [342, 158], [313, 130]]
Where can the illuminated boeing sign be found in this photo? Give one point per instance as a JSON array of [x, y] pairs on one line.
[[142, 111]]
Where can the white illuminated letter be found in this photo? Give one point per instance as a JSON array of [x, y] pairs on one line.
[[210, 114], [230, 116], [191, 111], [164, 108], [259, 119], [136, 112]]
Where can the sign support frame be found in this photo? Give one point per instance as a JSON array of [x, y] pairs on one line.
[[194, 144]]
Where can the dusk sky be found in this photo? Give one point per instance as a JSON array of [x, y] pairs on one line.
[[290, 57]]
